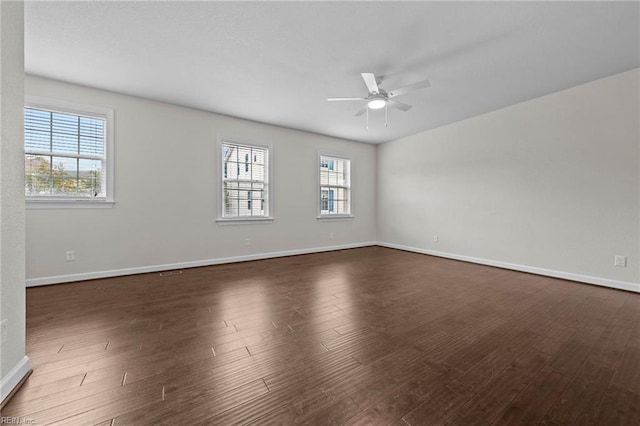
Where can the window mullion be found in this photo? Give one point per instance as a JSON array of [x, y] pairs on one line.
[[78, 159], [65, 154], [51, 131], [51, 149], [51, 175]]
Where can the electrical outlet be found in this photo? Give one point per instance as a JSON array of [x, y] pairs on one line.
[[3, 330], [331, 235], [436, 238], [620, 261], [247, 241], [71, 256]]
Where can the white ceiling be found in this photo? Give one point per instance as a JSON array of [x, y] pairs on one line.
[[278, 62]]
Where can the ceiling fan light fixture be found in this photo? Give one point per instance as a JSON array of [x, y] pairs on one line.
[[380, 98], [376, 103]]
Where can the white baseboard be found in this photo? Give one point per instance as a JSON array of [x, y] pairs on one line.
[[57, 279], [621, 285], [11, 380]]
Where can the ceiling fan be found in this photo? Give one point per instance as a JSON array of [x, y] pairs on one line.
[[380, 98]]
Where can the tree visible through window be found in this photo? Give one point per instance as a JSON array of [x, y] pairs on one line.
[[335, 186], [243, 186], [65, 155]]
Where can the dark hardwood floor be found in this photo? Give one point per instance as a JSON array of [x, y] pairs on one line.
[[369, 336]]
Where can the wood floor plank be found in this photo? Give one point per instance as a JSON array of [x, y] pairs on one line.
[[485, 407], [338, 413], [619, 407], [570, 356], [531, 405], [445, 402], [579, 402], [31, 392], [362, 336], [200, 403], [296, 413], [627, 375], [405, 398], [493, 364], [369, 396]]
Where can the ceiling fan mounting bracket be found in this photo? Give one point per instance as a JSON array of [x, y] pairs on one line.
[[381, 96]]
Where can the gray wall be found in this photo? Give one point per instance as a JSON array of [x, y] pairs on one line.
[[550, 185], [13, 363], [165, 192]]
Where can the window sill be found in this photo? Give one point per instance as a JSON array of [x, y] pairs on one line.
[[329, 217], [244, 220], [68, 204]]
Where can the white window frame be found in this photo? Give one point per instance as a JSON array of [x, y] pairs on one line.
[[331, 216], [237, 220], [54, 202]]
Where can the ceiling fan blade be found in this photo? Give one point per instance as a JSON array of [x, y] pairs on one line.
[[370, 81], [399, 105], [346, 99], [410, 88], [362, 111]]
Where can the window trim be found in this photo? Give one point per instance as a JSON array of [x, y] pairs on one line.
[[56, 105], [219, 173], [324, 216]]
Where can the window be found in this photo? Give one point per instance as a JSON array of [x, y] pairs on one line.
[[327, 199], [68, 151], [243, 187], [326, 163], [335, 186]]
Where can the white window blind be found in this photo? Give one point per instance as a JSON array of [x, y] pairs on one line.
[[245, 183], [65, 155], [335, 186]]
